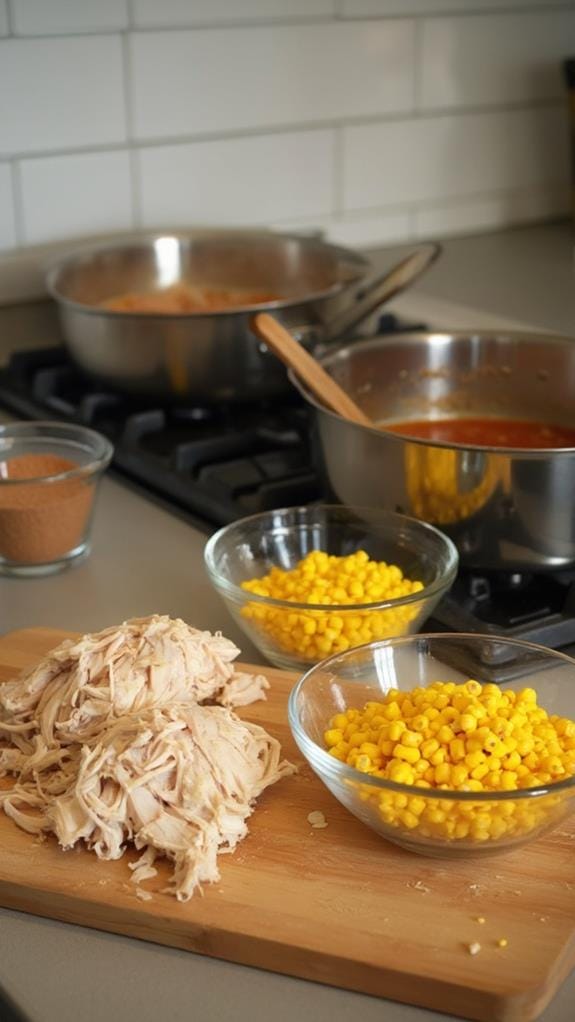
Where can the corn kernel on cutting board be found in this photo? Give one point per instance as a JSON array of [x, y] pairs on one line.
[[337, 905]]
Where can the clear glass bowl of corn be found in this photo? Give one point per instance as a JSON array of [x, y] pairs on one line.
[[307, 582], [415, 737]]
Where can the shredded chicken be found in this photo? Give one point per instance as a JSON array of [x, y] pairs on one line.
[[111, 742]]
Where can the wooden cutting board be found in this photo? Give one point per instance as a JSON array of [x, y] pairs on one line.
[[339, 905]]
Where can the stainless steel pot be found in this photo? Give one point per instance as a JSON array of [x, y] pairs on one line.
[[211, 357], [505, 509]]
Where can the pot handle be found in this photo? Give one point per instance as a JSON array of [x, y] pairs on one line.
[[382, 289]]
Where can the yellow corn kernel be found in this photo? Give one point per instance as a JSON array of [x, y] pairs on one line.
[[442, 773], [458, 775], [339, 721], [369, 749], [396, 729], [467, 722], [410, 755], [411, 738], [428, 747], [401, 773], [409, 820], [445, 734], [512, 761], [416, 806], [333, 737], [473, 759], [457, 749], [438, 757], [385, 747]]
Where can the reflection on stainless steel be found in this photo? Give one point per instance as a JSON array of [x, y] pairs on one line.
[[504, 509], [212, 356]]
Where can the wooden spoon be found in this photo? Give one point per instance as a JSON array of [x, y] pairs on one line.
[[293, 355]]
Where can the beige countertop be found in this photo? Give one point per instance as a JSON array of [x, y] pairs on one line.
[[146, 560]]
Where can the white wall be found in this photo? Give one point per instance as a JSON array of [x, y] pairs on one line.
[[378, 120]]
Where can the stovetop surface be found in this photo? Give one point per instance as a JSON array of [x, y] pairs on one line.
[[217, 464], [214, 465]]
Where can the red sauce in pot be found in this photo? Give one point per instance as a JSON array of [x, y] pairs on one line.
[[487, 432]]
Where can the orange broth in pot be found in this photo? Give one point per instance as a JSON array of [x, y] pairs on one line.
[[487, 432]]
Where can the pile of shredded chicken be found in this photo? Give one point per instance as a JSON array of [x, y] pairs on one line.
[[128, 735]]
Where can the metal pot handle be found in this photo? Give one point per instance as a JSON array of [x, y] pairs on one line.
[[380, 290]]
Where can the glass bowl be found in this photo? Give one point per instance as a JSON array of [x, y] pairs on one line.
[[295, 635], [49, 473], [431, 821]]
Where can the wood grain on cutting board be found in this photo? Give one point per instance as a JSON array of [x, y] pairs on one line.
[[339, 905]]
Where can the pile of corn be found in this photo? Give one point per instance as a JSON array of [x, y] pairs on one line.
[[335, 581], [461, 738]]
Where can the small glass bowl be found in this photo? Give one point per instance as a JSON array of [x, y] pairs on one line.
[[427, 820], [250, 547], [49, 474]]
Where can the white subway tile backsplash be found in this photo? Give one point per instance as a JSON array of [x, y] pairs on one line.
[[239, 181], [453, 155], [60, 93], [375, 121], [381, 8], [205, 81], [490, 211], [504, 59], [56, 17], [7, 219], [152, 14], [67, 196]]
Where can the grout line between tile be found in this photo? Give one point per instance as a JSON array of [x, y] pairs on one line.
[[135, 181], [129, 117], [208, 25], [290, 128], [338, 171], [417, 56], [469, 12], [9, 19], [18, 202], [286, 21], [131, 14], [179, 27]]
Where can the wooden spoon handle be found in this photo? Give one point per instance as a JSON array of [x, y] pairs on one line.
[[293, 355]]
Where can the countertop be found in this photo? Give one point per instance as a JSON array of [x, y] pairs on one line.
[[147, 560]]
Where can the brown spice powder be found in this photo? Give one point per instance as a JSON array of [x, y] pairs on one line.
[[41, 522]]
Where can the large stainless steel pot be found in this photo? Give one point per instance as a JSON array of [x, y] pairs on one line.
[[211, 357], [512, 510]]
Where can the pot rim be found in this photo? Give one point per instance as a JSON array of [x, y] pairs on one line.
[[380, 340], [144, 240]]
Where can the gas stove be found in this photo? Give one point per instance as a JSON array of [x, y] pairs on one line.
[[214, 465]]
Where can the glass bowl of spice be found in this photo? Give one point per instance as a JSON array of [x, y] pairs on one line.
[[49, 474], [307, 582], [412, 736]]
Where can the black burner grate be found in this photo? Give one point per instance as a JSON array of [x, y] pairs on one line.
[[538, 608], [218, 464]]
